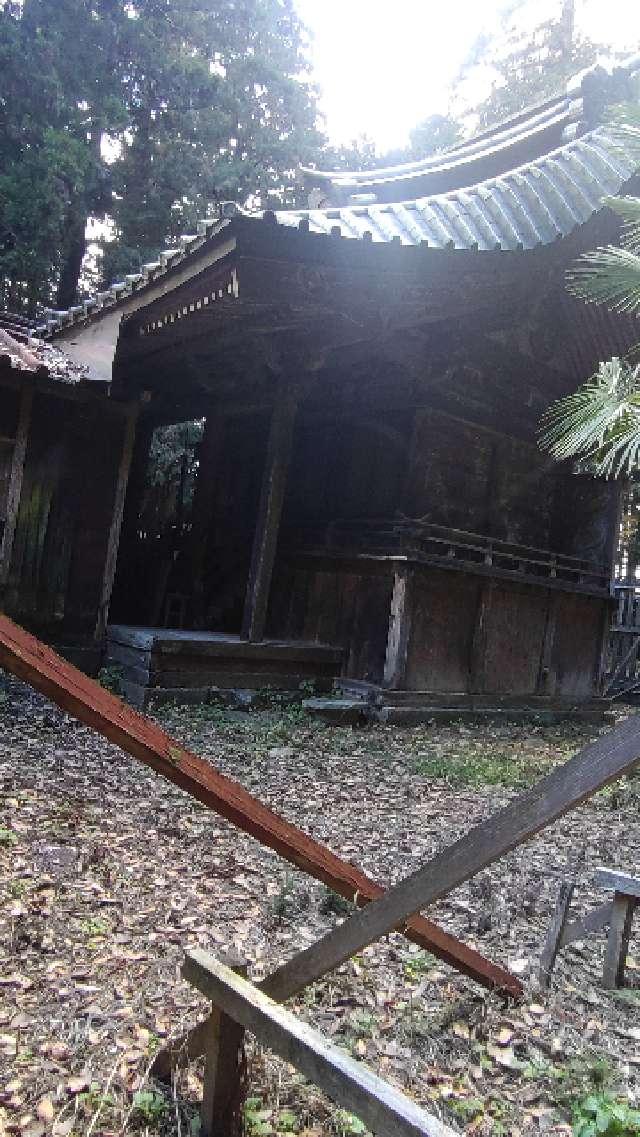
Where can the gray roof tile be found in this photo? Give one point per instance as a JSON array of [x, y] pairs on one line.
[[523, 208]]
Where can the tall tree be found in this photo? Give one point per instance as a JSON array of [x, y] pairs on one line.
[[528, 65], [144, 113], [217, 111]]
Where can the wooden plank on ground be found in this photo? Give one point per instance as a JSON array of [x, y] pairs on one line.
[[25, 656], [595, 766], [618, 881], [383, 1109]]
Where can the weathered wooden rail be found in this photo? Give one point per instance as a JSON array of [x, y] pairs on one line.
[[623, 675], [616, 914], [384, 1110], [25, 656], [444, 547]]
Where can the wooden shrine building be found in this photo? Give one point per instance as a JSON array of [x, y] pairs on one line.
[[63, 445], [371, 504]]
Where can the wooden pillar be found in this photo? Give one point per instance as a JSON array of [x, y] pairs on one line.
[[401, 610], [412, 500], [116, 520], [617, 491], [221, 1113], [554, 935], [546, 683], [614, 520], [201, 517], [478, 660], [15, 480], [137, 483], [269, 512]]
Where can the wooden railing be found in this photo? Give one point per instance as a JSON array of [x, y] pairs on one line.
[[623, 671], [451, 548]]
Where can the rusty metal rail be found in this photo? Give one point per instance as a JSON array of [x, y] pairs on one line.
[[31, 660]]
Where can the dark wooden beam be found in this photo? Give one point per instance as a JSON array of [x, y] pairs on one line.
[[395, 664], [111, 559], [15, 479], [547, 679], [203, 499], [270, 511], [478, 658]]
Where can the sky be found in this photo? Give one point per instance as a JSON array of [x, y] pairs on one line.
[[385, 65]]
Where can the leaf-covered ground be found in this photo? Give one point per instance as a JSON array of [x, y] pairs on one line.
[[107, 873]]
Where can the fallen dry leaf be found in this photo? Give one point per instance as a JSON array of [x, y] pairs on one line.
[[45, 1109]]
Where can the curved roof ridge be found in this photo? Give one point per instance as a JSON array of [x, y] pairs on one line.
[[575, 111], [517, 206], [500, 137]]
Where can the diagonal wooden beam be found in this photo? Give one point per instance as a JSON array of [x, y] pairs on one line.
[[593, 767], [384, 1109], [28, 658]]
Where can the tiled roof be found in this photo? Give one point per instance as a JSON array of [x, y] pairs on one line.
[[549, 121], [525, 136], [529, 206], [55, 320], [22, 351]]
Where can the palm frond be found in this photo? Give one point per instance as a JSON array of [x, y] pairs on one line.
[[624, 128], [600, 423], [608, 276], [628, 208]]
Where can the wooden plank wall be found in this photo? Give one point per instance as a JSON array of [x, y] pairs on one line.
[[344, 608], [468, 633], [424, 465], [57, 561], [446, 472]]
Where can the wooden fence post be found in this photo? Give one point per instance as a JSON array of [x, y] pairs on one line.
[[554, 935], [221, 1113], [618, 941]]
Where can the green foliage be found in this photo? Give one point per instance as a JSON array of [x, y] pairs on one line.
[[600, 423], [528, 69], [600, 1115], [474, 766], [256, 1118], [289, 900], [143, 113], [110, 677], [416, 964], [348, 1124], [8, 837], [148, 1107], [434, 135], [333, 904]]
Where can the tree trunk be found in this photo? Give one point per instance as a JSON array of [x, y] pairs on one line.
[[73, 256]]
